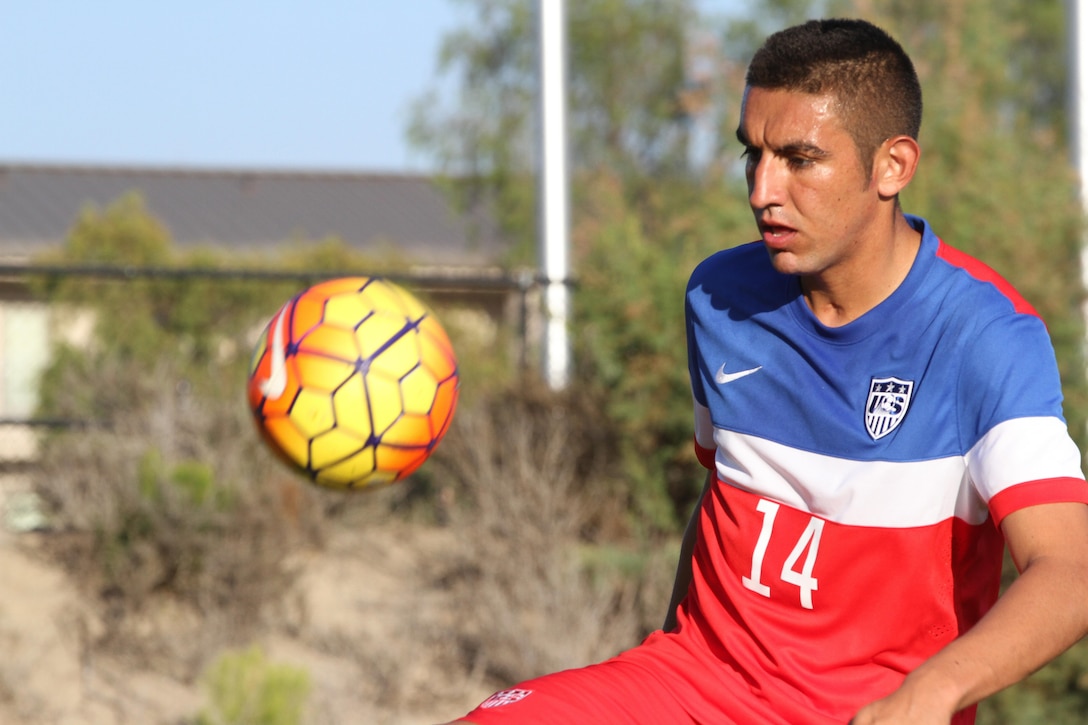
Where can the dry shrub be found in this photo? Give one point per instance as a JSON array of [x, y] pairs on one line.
[[177, 522], [536, 585]]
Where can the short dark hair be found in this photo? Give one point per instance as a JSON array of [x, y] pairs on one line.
[[868, 73]]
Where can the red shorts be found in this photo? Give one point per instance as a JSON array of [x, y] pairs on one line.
[[660, 681]]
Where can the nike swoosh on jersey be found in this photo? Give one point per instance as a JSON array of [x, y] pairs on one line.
[[723, 377], [273, 386]]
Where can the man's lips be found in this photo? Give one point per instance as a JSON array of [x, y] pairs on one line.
[[776, 236]]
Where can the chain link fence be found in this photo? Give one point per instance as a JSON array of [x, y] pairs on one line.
[[490, 312]]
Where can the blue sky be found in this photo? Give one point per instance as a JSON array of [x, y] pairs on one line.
[[282, 84]]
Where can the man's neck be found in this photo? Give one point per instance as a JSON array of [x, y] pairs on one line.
[[843, 295]]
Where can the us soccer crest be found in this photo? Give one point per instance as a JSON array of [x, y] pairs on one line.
[[888, 401]]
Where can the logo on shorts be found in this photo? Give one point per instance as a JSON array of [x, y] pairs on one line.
[[506, 697], [888, 401]]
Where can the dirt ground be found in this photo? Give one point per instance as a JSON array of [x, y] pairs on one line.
[[361, 609]]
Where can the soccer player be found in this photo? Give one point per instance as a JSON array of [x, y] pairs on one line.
[[879, 415]]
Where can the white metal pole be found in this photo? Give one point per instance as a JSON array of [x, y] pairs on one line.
[[554, 190], [1078, 64], [1077, 107]]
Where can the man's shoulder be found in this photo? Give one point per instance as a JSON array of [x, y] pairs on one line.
[[974, 273], [969, 281], [733, 265]]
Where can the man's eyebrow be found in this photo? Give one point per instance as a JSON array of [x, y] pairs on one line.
[[802, 147], [789, 148]]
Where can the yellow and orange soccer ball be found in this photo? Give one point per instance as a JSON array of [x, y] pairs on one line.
[[353, 382]]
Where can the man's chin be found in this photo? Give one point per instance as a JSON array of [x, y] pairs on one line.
[[784, 261]]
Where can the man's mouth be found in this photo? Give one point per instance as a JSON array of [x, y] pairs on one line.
[[776, 235]]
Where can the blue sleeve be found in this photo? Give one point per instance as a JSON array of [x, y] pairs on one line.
[[697, 389], [1009, 371]]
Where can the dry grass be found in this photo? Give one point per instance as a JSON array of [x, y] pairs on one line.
[[534, 584], [191, 539], [174, 504]]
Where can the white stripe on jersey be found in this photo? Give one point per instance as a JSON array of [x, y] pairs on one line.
[[895, 494], [855, 493], [1023, 449]]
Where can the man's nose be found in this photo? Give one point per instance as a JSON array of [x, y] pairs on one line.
[[765, 182]]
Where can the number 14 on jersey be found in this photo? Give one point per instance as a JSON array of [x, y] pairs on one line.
[[808, 545]]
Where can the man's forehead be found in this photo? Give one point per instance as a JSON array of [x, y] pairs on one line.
[[794, 114]]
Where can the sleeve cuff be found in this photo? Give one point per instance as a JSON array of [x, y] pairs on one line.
[[705, 456], [1050, 490]]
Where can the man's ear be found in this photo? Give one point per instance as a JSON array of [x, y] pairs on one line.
[[894, 165]]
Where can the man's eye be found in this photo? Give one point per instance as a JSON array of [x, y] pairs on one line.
[[799, 162]]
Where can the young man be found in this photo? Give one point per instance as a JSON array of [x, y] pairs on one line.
[[879, 415]]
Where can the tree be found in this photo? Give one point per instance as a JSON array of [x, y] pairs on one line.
[[637, 199], [626, 68]]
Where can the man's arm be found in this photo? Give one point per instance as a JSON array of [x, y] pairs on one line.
[[1043, 613], [683, 566]]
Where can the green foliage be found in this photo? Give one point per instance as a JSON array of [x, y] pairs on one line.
[[247, 689], [203, 323], [122, 234], [636, 204], [627, 69], [629, 332], [1056, 695], [492, 145], [176, 516], [193, 481], [136, 321]]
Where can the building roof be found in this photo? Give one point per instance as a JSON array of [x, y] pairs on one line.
[[249, 210]]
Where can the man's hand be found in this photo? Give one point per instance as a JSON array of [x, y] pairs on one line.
[[903, 707]]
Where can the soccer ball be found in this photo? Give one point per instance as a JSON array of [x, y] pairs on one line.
[[353, 382]]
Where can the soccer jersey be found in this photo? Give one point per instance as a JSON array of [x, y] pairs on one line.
[[861, 473], [862, 470]]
